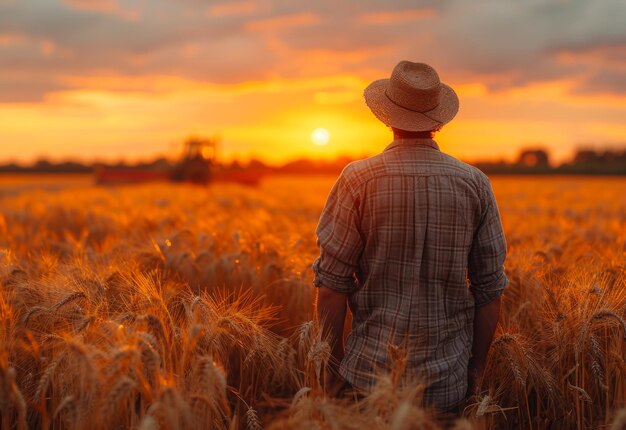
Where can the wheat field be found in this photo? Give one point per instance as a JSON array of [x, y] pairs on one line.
[[179, 307]]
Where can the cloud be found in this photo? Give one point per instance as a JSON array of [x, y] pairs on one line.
[[105, 6], [612, 55], [601, 68], [517, 43], [232, 8], [501, 44], [603, 81], [100, 5], [7, 39], [27, 88], [395, 16], [284, 22]]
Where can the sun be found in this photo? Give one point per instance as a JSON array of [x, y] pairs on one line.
[[320, 136]]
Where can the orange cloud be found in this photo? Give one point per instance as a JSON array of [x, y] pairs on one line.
[[283, 22], [105, 6], [157, 85], [7, 39], [613, 55], [99, 5], [47, 47], [232, 8], [396, 16]]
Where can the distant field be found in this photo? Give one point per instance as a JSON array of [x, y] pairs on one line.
[[13, 184], [175, 306]]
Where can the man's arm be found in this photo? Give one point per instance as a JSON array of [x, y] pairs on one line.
[[331, 312], [485, 321], [487, 281], [341, 247]]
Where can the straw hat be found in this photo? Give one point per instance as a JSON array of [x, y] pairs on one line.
[[413, 99]]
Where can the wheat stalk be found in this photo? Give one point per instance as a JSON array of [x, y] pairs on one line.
[[120, 392], [69, 299], [619, 422], [70, 407], [252, 420]]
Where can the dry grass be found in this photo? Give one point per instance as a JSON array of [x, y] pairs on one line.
[[165, 306]]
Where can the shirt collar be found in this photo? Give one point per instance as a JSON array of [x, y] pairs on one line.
[[413, 142]]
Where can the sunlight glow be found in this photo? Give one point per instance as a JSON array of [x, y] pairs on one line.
[[320, 136], [265, 120]]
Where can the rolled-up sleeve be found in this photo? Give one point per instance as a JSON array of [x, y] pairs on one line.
[[486, 259], [339, 240]]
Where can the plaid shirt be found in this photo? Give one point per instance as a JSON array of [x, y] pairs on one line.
[[404, 234]]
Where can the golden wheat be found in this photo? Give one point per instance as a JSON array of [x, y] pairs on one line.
[[167, 306]]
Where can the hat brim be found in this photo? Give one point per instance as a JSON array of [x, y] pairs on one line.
[[399, 117]]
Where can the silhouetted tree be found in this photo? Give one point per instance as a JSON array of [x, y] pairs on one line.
[[533, 158]]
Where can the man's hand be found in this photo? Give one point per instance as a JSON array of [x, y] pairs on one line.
[[331, 312], [485, 321], [334, 384], [474, 379]]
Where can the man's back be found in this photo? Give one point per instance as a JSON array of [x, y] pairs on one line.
[[410, 223]]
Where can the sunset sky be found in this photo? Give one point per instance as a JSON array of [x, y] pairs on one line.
[[112, 79]]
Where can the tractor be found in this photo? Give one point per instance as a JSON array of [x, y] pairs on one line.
[[197, 162]]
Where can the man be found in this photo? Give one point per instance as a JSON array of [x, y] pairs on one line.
[[402, 237]]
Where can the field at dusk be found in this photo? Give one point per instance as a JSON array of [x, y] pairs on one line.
[[178, 306], [166, 214]]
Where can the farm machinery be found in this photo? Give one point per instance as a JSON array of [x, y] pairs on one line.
[[196, 165]]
